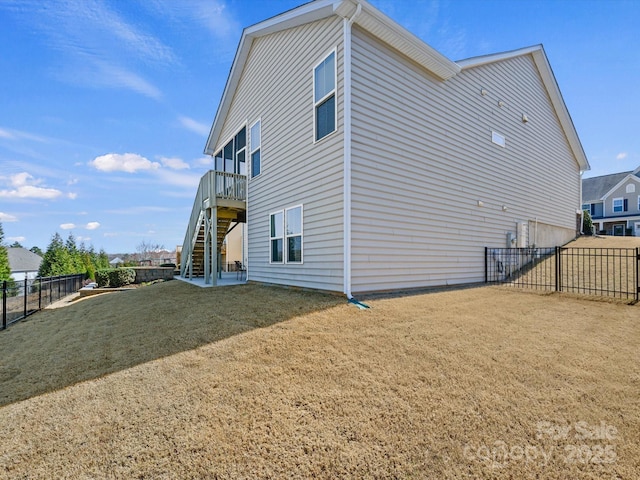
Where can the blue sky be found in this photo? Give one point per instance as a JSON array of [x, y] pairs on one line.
[[105, 105]]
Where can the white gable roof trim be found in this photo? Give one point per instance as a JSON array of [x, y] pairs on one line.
[[550, 83], [369, 18]]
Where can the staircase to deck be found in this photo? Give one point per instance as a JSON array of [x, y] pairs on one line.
[[220, 202]]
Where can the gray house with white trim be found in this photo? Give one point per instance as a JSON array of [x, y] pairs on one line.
[[361, 159], [614, 202]]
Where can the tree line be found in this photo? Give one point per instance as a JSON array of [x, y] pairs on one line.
[[61, 258]]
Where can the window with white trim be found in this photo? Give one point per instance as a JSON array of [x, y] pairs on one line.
[[286, 235], [619, 205], [255, 141], [324, 96], [232, 157], [293, 221], [638, 202], [276, 244]]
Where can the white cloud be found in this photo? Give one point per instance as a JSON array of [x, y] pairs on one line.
[[72, 196], [92, 225], [24, 185], [67, 226], [174, 163], [126, 162], [80, 238], [96, 43], [621, 156], [204, 161], [5, 217], [188, 180], [193, 125], [6, 134], [16, 239], [10, 134]]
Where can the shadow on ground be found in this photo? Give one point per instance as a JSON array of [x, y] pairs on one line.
[[56, 348]]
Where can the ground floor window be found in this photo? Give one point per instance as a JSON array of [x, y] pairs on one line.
[[286, 235]]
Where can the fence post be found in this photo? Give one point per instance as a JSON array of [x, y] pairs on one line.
[[25, 295], [558, 269], [637, 274], [39, 280], [4, 304], [486, 265]]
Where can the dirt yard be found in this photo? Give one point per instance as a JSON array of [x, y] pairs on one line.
[[174, 381]]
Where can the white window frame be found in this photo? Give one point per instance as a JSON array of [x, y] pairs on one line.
[[613, 205], [224, 144], [333, 92], [287, 236], [253, 150], [282, 237], [638, 202], [498, 139], [631, 188]]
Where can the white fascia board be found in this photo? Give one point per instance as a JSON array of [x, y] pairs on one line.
[[390, 32], [631, 176], [550, 83]]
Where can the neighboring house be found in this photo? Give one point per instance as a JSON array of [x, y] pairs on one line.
[[363, 160], [23, 263], [613, 202]]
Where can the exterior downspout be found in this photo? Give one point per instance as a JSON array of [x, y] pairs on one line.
[[347, 23]]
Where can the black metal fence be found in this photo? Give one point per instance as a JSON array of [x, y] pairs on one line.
[[608, 272], [21, 299]]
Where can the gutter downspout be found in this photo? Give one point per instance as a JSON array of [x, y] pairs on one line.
[[347, 23]]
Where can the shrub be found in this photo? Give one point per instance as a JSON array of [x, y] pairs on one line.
[[121, 277], [102, 278], [115, 277], [587, 223]]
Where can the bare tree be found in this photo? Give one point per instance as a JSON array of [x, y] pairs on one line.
[[147, 251]]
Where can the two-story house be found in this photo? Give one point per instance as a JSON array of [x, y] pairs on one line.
[[613, 202], [362, 159]]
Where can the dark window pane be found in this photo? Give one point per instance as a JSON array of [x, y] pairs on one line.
[[276, 250], [241, 139], [255, 163], [326, 117], [294, 249]]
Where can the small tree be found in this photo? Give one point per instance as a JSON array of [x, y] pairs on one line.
[[16, 245], [587, 223]]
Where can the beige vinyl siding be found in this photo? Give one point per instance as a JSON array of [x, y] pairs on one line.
[[277, 87], [423, 158]]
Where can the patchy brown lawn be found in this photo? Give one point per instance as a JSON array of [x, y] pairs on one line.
[[173, 381]]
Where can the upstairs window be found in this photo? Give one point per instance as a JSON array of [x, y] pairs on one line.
[[255, 141], [232, 157], [631, 188], [620, 205], [324, 96]]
